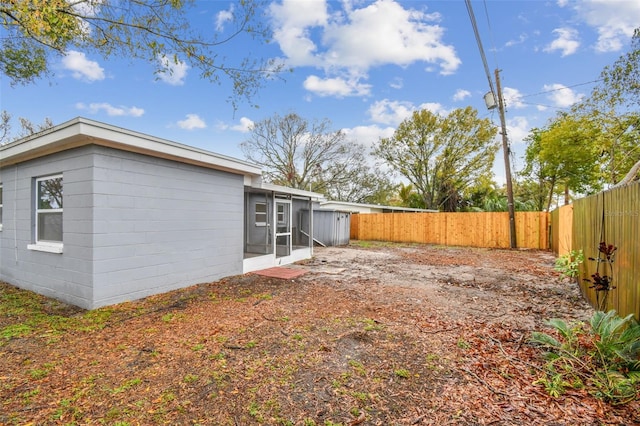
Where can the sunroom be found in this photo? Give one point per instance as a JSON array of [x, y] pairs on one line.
[[277, 226]]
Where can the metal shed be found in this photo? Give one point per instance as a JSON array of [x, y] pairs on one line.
[[331, 227]]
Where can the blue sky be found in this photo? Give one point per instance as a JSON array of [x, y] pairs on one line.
[[364, 65]]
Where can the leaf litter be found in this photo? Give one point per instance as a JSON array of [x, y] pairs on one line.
[[383, 335]]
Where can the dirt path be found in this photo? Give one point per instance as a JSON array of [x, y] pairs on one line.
[[387, 335], [490, 286]]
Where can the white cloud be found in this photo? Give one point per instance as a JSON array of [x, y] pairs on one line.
[[338, 87], [521, 39], [81, 67], [193, 121], [397, 83], [435, 108], [517, 129], [461, 94], [566, 41], [394, 112], [174, 71], [223, 17], [368, 135], [390, 112], [562, 96], [614, 20], [512, 98], [244, 126], [113, 111], [343, 42]]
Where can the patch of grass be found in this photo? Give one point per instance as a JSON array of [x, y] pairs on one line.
[[358, 367], [126, 386], [190, 378], [24, 313], [463, 344], [402, 373], [255, 412], [264, 296], [372, 325], [41, 373], [26, 396], [15, 331]]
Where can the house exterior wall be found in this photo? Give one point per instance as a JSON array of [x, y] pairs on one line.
[[161, 225], [133, 225], [67, 276]]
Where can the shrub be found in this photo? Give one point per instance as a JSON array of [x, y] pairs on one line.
[[569, 264], [601, 357]]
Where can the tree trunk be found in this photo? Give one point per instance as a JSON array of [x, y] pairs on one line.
[[630, 176]]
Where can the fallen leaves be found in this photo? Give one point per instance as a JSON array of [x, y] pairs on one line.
[[325, 348]]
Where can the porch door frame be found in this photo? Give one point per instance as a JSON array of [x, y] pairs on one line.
[[282, 227]]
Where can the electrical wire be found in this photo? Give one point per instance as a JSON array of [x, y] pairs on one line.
[[562, 88], [474, 24]]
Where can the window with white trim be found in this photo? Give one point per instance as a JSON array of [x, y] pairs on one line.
[[48, 214], [261, 214]]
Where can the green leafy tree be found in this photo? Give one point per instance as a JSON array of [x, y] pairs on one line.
[[409, 197], [156, 31], [297, 153], [441, 155], [566, 155], [361, 184], [613, 106]]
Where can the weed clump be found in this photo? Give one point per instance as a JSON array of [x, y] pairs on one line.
[[602, 357]]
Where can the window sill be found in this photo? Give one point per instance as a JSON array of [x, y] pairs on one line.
[[46, 247]]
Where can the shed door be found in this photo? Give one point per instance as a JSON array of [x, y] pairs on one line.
[[283, 228]]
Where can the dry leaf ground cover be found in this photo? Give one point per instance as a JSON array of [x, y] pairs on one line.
[[372, 334]]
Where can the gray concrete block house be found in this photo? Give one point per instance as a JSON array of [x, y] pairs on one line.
[[93, 214]]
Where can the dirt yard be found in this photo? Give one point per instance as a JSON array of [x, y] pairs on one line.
[[382, 335]]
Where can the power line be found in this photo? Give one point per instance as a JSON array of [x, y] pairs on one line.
[[561, 88], [493, 43], [474, 24]]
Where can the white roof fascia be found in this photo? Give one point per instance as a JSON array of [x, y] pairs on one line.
[[81, 131], [286, 190], [376, 206]]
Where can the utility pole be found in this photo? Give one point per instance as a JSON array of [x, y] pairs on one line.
[[507, 165]]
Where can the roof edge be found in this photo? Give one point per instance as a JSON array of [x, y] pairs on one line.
[[82, 131]]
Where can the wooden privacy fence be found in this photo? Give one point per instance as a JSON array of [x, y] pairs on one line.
[[613, 217], [561, 230], [490, 229]]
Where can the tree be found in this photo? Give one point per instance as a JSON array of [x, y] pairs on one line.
[[155, 31], [566, 154], [613, 105], [408, 197], [441, 155], [26, 126], [296, 153], [361, 184]]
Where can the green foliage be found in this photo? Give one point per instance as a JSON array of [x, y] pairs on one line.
[[402, 373], [596, 143], [441, 155], [603, 357], [158, 32], [569, 264]]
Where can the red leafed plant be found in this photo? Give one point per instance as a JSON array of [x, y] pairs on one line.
[[602, 284]]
